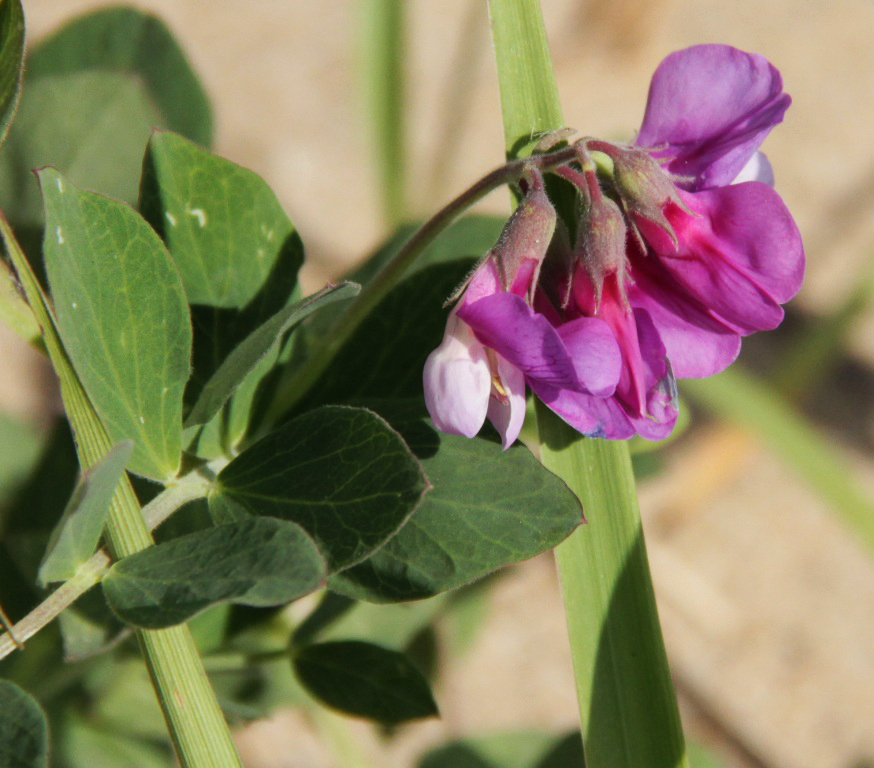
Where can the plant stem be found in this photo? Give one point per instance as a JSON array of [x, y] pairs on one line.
[[87, 575], [195, 721], [628, 711], [193, 486]]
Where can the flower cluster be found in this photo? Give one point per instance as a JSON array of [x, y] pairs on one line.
[[681, 248]]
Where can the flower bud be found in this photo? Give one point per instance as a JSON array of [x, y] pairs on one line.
[[644, 187], [601, 244], [523, 243]]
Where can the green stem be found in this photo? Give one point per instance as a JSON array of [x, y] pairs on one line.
[[628, 710], [191, 711], [87, 575], [193, 486], [386, 279]]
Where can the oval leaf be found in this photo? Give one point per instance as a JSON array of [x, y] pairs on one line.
[[222, 223], [259, 562], [365, 680], [23, 729], [122, 317], [11, 58], [75, 538], [488, 508], [343, 474], [385, 356], [107, 120], [139, 45]]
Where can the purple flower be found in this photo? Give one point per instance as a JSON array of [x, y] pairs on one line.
[[495, 341], [709, 258], [682, 248]]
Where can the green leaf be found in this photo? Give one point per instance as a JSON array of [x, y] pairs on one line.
[[11, 57], [125, 40], [364, 680], [259, 561], [239, 270], [243, 360], [343, 474], [123, 319], [222, 223], [99, 143], [385, 356], [23, 729], [487, 508], [113, 76], [76, 535]]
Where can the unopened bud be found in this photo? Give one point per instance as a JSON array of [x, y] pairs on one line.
[[602, 245], [524, 241], [645, 188]]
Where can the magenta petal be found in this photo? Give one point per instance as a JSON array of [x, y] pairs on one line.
[[660, 414], [594, 353], [589, 415], [712, 105], [697, 343], [457, 381], [504, 322], [741, 255]]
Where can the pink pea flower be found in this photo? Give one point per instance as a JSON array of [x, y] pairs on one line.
[[495, 341], [684, 247]]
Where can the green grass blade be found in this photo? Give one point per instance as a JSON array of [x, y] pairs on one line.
[[383, 53], [529, 94], [628, 710]]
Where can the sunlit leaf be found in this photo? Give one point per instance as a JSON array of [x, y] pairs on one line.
[[222, 223], [123, 319]]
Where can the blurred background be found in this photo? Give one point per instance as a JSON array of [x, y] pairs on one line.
[[760, 517]]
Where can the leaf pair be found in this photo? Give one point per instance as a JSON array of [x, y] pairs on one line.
[[318, 495], [121, 297]]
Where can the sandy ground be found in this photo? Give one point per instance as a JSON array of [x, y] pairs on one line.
[[767, 601]]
